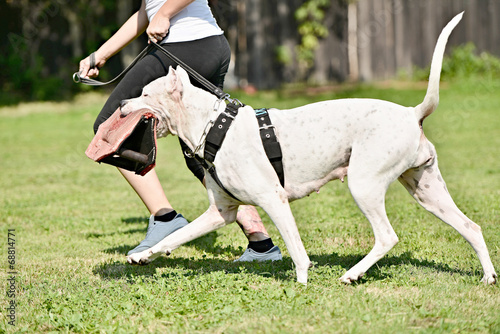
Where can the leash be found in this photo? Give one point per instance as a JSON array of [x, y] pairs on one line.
[[217, 132], [207, 84], [213, 139]]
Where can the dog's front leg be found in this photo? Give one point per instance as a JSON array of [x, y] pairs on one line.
[[214, 218], [280, 213], [428, 188]]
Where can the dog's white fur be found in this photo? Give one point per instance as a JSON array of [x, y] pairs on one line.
[[372, 142]]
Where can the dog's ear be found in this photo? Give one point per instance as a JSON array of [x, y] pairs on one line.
[[182, 74], [173, 83]]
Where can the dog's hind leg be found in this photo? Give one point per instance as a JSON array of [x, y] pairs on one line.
[[280, 213], [428, 188], [369, 196]]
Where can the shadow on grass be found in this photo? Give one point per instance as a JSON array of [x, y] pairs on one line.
[[101, 235], [206, 243], [282, 270], [136, 220], [192, 267], [379, 271], [131, 220], [278, 270]]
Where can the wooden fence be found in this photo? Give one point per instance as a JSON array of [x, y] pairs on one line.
[[397, 34], [368, 40]]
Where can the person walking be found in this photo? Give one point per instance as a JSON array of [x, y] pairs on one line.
[[187, 29]]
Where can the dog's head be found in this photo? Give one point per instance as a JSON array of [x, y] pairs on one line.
[[163, 98]]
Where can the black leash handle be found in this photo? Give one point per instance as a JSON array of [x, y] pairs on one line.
[[91, 82]]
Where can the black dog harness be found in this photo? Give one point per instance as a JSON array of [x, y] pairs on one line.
[[218, 131]]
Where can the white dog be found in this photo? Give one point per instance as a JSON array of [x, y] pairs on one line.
[[372, 142]]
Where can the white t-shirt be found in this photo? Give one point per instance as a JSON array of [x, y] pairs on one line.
[[193, 22]]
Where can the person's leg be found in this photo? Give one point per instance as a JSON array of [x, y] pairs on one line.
[[251, 224], [150, 191], [260, 245], [148, 187], [164, 219]]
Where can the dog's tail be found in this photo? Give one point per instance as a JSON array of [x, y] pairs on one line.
[[431, 99]]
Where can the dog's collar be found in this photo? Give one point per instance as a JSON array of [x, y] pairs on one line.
[[197, 149]]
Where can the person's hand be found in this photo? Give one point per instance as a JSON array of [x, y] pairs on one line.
[[86, 71], [158, 28]]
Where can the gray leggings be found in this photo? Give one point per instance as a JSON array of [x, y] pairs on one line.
[[208, 56]]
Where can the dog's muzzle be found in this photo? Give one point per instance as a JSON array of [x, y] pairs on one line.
[[127, 142]]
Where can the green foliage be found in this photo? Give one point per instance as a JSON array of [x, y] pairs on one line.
[[19, 81], [310, 16], [39, 52], [75, 220], [283, 55], [465, 62]]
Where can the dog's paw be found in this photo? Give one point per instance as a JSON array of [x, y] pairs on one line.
[[142, 258], [302, 277], [490, 279], [145, 257], [345, 280], [349, 278]]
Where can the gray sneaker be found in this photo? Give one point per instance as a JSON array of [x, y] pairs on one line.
[[274, 254], [157, 231]]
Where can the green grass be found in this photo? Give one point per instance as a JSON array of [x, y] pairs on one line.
[[75, 220]]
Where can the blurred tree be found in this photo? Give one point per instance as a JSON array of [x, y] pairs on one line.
[[43, 40]]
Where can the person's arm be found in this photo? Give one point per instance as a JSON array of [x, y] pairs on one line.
[[160, 24], [129, 31]]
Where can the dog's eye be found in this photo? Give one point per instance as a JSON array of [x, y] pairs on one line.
[[145, 94]]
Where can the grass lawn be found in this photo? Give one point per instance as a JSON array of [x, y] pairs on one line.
[[74, 220]]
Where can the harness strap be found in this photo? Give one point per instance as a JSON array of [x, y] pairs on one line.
[[214, 139], [213, 173], [270, 142], [217, 133]]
